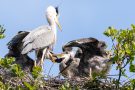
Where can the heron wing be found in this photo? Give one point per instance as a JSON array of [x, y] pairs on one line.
[[16, 40], [41, 37], [82, 43]]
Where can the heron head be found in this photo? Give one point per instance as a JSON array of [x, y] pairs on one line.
[[52, 16]]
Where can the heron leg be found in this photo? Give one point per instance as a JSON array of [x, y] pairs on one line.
[[36, 58], [35, 63], [43, 55], [90, 74]]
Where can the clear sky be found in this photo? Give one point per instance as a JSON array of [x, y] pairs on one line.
[[78, 18]]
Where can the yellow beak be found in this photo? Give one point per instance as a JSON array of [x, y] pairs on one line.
[[57, 22]]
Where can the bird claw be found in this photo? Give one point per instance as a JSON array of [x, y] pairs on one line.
[[52, 57]]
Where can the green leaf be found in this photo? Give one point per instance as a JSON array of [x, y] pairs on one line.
[[2, 30], [6, 62], [36, 72], [111, 32], [132, 68], [67, 86], [132, 26], [123, 73], [29, 86], [17, 71]]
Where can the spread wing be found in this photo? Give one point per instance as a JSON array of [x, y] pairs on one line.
[[15, 44], [84, 43], [39, 38], [16, 41]]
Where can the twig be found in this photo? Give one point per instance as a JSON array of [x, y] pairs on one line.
[[113, 75], [125, 81], [50, 69]]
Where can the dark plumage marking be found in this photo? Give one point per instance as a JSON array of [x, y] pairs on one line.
[[57, 10], [15, 44]]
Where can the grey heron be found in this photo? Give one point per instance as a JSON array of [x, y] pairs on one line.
[[15, 47], [43, 37]]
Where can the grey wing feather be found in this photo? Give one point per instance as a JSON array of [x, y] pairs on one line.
[[38, 38], [44, 40], [34, 34]]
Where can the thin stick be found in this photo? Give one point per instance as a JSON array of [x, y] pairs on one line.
[[50, 69]]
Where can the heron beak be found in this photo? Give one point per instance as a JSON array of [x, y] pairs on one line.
[[60, 55], [57, 22]]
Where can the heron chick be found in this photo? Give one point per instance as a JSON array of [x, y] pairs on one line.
[[89, 59], [43, 37]]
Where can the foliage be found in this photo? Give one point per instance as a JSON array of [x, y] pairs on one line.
[[36, 72], [67, 86], [15, 68], [6, 62], [123, 47], [29, 87], [19, 74], [19, 77], [17, 71], [2, 86], [2, 30]]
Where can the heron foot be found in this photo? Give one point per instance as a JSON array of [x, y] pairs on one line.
[[52, 58]]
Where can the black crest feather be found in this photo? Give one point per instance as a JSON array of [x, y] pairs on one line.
[[57, 10]]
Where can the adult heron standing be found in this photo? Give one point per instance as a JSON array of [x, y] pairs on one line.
[[43, 37]]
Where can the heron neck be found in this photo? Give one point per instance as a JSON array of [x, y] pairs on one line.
[[53, 26]]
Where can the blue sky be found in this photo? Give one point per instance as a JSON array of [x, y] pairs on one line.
[[78, 18]]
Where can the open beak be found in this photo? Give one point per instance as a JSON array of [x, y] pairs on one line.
[[57, 22]]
